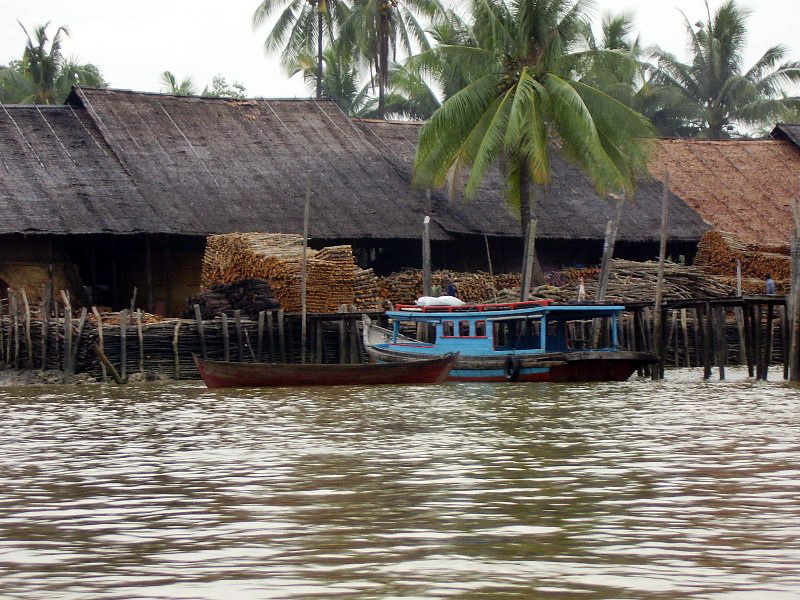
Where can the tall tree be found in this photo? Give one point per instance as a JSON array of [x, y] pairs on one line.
[[300, 28], [170, 85], [713, 94], [376, 29], [522, 96], [43, 75]]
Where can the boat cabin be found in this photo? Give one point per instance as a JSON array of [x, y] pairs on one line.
[[541, 328]]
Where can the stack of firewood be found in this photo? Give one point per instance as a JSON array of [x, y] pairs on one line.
[[366, 291], [406, 286], [718, 252], [278, 259], [250, 296]]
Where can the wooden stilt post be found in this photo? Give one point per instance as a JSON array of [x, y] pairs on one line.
[[658, 347], [226, 346], [707, 334], [28, 336], [100, 341], [148, 273], [140, 336], [123, 344], [768, 344], [794, 296], [757, 340], [261, 317], [747, 336], [175, 350], [721, 344], [282, 334], [304, 272], [785, 341], [237, 322], [198, 318]]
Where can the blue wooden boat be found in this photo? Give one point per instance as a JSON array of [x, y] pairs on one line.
[[524, 341]]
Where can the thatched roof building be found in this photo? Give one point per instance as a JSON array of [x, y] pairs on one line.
[[787, 131], [739, 186], [570, 209], [59, 176]]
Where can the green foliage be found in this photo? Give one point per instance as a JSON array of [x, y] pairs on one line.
[[43, 75], [711, 94], [221, 89], [524, 92], [170, 85]]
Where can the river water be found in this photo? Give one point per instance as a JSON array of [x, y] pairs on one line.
[[634, 490]]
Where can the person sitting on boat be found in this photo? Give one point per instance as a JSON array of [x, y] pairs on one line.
[[451, 289]]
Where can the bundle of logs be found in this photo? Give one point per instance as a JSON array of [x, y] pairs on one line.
[[250, 296], [332, 277], [718, 252], [406, 286]]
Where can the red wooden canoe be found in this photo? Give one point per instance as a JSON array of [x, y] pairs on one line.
[[218, 374]]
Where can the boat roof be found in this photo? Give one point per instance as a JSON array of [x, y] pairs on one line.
[[502, 313]]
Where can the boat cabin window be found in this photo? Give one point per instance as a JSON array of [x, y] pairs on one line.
[[517, 334], [447, 328], [480, 328], [413, 332], [463, 328]]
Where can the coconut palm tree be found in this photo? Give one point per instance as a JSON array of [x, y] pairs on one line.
[[715, 93], [170, 85], [376, 29], [43, 75], [522, 98], [300, 27]]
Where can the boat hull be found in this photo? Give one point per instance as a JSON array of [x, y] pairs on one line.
[[556, 367], [423, 370]]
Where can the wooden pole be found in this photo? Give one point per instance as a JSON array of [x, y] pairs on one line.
[[175, 352], [794, 304], [149, 272], [304, 274], [768, 346], [107, 364], [226, 346], [198, 318], [237, 321], [260, 338], [426, 256], [28, 336], [662, 253], [140, 335], [100, 341], [738, 277], [721, 344], [67, 333], [123, 344], [530, 251]]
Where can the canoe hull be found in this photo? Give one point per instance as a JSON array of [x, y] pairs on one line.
[[219, 374]]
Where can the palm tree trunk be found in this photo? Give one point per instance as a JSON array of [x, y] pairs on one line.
[[320, 8], [537, 276], [383, 57]]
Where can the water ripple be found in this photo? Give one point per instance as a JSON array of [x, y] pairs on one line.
[[634, 490]]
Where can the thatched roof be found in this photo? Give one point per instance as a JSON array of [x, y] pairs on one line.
[[787, 131], [739, 186], [57, 175], [216, 165], [569, 209]]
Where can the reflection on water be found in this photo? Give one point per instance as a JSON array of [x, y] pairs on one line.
[[634, 490]]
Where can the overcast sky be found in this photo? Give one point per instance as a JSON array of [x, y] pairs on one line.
[[133, 42]]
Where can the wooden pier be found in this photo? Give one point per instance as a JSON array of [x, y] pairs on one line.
[[751, 331]]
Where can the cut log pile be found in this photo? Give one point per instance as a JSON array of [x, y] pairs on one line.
[[277, 258], [718, 252], [367, 294], [636, 282], [406, 286], [250, 296]]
